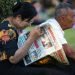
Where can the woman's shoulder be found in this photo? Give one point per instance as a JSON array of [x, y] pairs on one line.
[[4, 24]]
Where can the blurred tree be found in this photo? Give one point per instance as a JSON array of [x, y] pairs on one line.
[[1, 12], [6, 6]]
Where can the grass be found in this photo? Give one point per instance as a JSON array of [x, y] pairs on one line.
[[70, 36]]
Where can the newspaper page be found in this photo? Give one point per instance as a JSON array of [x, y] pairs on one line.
[[47, 44]]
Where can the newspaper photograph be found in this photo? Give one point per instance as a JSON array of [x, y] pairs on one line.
[[47, 44]]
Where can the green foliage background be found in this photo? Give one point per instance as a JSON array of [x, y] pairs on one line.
[[6, 6], [70, 36]]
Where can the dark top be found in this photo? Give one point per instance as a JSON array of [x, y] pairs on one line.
[[8, 38]]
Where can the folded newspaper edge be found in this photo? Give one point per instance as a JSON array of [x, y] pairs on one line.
[[47, 44]]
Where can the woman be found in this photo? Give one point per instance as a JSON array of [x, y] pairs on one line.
[[10, 56]]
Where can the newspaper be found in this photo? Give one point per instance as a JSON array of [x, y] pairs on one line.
[[47, 44]]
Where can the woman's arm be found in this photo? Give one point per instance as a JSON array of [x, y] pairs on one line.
[[21, 52]]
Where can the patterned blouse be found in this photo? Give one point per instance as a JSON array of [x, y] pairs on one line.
[[8, 40]]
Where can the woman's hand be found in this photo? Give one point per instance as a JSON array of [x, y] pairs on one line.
[[36, 33], [11, 59]]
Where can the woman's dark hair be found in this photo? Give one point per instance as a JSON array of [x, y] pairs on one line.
[[25, 9]]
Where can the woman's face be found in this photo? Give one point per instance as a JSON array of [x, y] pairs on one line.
[[21, 24]]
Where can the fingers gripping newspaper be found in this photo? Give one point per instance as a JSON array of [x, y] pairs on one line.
[[47, 44]]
